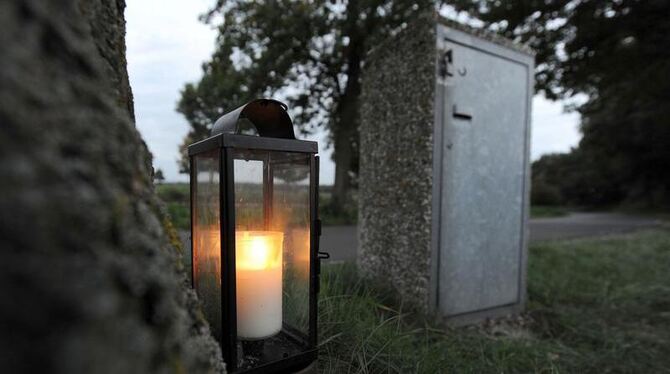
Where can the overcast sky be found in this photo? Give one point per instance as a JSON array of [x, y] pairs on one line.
[[166, 45]]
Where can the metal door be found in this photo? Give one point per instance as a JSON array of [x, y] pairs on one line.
[[483, 92]]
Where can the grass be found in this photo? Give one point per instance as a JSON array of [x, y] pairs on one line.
[[180, 215], [543, 211], [176, 198], [174, 192], [595, 306]]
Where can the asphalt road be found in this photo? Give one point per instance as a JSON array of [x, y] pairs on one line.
[[342, 241]]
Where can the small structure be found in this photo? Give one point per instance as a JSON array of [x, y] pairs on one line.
[[444, 172], [255, 238]]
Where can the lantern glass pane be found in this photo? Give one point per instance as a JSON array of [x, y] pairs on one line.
[[272, 254], [207, 236]]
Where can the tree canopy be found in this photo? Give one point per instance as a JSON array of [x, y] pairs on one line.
[[309, 54], [159, 177], [616, 54]]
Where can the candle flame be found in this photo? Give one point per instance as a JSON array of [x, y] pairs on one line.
[[258, 250]]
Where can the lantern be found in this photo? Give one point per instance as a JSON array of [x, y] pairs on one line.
[[255, 238]]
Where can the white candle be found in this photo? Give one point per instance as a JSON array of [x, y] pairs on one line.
[[258, 264]]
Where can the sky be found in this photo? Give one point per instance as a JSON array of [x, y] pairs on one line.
[[166, 46]]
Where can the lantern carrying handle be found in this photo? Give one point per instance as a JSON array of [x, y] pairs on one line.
[[268, 116]]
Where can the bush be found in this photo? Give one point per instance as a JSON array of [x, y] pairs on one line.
[[331, 215], [180, 215], [177, 192], [542, 193]]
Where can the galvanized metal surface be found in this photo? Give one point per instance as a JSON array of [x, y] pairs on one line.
[[480, 201]]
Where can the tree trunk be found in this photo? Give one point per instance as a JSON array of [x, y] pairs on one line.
[[342, 156], [344, 139], [108, 30], [345, 132], [90, 276]]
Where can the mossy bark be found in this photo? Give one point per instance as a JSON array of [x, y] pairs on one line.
[[90, 280]]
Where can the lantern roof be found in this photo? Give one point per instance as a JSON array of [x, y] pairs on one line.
[[268, 116]]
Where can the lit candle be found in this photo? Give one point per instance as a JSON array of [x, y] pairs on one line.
[[258, 257]]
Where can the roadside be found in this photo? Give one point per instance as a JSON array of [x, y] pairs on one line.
[[580, 225], [342, 241], [595, 305], [340, 237], [543, 211]]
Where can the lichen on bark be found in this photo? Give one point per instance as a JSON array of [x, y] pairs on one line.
[[89, 278]]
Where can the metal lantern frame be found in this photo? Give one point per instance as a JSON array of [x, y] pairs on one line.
[[275, 131]]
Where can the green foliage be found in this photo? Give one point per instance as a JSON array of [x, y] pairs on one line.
[[598, 305], [345, 214], [542, 193], [364, 330], [177, 192], [180, 215], [176, 198], [615, 53], [159, 177], [606, 299], [308, 53]]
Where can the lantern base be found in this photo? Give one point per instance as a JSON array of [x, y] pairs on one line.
[[254, 353], [253, 348], [311, 369]]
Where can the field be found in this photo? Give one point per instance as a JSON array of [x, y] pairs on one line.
[[595, 306], [541, 211], [176, 199]]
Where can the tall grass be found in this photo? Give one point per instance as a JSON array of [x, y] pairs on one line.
[[595, 306]]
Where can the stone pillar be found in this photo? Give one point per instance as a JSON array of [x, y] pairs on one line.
[[395, 177]]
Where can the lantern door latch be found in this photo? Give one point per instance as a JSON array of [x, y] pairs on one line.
[[323, 255], [320, 255]]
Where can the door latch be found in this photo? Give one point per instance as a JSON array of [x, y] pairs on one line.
[[462, 113], [446, 59]]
